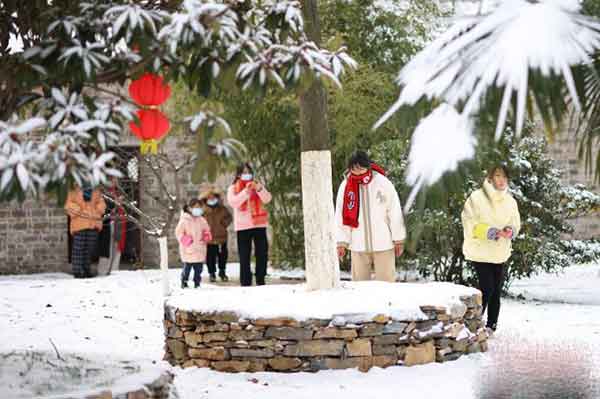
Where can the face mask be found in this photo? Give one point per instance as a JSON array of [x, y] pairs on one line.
[[212, 202], [246, 176], [87, 194], [197, 211]]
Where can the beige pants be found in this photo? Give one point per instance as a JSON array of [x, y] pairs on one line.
[[384, 262]]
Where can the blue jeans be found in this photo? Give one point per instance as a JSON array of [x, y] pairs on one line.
[[187, 268]]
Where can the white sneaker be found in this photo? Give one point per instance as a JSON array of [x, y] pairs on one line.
[[489, 332]]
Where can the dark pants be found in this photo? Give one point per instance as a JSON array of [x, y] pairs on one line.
[[261, 251], [491, 279], [84, 247], [187, 267], [214, 253]]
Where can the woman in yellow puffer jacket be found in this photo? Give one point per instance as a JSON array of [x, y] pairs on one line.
[[490, 222]]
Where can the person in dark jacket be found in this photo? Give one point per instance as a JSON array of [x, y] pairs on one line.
[[218, 218]]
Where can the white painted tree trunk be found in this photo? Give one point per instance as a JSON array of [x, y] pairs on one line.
[[164, 264], [322, 265]]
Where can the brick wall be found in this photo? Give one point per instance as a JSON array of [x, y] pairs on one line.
[[564, 151], [33, 237]]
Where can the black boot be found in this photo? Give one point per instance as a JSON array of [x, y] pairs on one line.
[[223, 277], [184, 284], [213, 278]]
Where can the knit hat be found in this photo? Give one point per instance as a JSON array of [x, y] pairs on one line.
[[208, 191]]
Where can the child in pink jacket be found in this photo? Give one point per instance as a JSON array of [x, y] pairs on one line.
[[193, 233]]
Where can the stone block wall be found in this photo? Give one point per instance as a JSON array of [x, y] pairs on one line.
[[225, 342], [33, 237], [564, 153]]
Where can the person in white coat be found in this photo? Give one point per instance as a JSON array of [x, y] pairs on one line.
[[369, 220]]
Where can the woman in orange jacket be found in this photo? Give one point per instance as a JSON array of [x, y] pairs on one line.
[[85, 208]]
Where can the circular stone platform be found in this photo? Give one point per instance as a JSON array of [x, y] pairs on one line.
[[285, 328]]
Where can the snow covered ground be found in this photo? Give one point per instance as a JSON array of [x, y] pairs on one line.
[[576, 285], [549, 348]]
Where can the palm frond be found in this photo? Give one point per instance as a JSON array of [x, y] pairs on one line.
[[522, 56], [501, 51]]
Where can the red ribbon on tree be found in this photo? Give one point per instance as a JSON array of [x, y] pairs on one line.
[[149, 92]]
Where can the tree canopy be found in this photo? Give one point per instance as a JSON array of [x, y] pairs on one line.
[[62, 104]]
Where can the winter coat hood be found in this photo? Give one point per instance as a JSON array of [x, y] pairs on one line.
[[492, 193]]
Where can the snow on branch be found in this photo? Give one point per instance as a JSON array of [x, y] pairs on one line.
[[498, 50], [66, 140], [203, 43]]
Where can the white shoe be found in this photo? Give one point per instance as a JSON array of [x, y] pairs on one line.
[[489, 332]]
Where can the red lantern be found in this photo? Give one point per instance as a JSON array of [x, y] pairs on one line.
[[149, 90], [153, 126]]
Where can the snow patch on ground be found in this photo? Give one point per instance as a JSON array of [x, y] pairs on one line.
[[414, 382], [29, 374], [575, 285], [400, 301]]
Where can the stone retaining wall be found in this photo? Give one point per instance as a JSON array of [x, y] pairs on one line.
[[225, 342]]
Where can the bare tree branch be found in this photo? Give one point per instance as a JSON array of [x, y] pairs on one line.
[[160, 179], [56, 350]]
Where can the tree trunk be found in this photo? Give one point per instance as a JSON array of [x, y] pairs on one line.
[[322, 266], [164, 264]]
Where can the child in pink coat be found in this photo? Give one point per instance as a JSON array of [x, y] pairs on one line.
[[193, 233]]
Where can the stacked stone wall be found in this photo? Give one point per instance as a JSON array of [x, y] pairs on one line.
[[225, 342]]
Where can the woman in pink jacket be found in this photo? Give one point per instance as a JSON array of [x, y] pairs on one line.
[[193, 233], [247, 196]]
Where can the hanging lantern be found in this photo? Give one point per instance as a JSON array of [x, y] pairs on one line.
[[153, 125], [149, 90]]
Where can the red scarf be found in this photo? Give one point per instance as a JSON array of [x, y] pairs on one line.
[[120, 219], [352, 196], [259, 214]]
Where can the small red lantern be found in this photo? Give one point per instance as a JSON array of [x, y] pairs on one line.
[[153, 126], [149, 92]]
